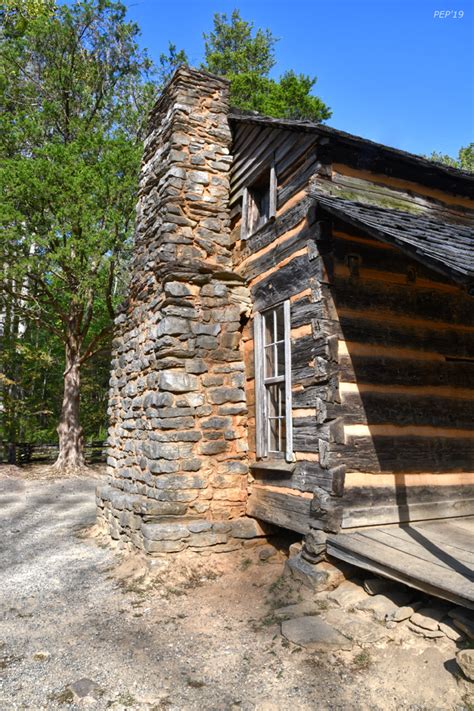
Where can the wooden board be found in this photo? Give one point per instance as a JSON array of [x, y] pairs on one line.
[[405, 453], [396, 513], [280, 508], [435, 557]]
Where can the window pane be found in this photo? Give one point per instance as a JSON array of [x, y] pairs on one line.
[[273, 428], [276, 414], [264, 206], [280, 347], [273, 436], [269, 361], [268, 328], [273, 400], [253, 214], [280, 324]]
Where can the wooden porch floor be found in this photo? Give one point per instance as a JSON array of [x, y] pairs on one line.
[[436, 557]]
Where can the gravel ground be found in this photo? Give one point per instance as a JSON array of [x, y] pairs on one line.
[[202, 637]]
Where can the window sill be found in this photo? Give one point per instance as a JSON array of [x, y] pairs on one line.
[[270, 221], [275, 465]]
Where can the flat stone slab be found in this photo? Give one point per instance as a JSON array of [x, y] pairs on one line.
[[380, 606], [403, 613], [377, 586], [312, 576], [429, 634], [85, 688], [314, 633], [450, 630], [359, 630], [428, 618], [348, 594], [463, 620]]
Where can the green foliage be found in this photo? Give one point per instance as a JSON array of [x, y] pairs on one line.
[[75, 105], [169, 63], [464, 161], [466, 158], [231, 48], [31, 392], [15, 15], [234, 50], [75, 99], [288, 98]]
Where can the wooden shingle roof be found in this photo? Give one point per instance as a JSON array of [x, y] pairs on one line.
[[446, 247], [339, 146]]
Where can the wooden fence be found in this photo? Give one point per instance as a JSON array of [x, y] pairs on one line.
[[35, 453]]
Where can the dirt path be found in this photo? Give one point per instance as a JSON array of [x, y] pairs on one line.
[[204, 638]]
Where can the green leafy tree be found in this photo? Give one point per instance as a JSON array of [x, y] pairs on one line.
[[15, 15], [75, 104], [169, 63], [234, 50], [466, 158], [464, 161]]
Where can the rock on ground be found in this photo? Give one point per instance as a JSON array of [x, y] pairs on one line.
[[465, 659], [314, 633], [348, 594]]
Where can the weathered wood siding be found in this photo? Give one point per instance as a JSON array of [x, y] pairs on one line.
[[406, 384], [281, 262], [382, 347]]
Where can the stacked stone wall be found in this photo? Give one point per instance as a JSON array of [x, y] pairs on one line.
[[177, 450]]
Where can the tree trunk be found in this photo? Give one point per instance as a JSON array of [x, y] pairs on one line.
[[71, 441]]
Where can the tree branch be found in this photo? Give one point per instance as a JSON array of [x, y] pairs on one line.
[[93, 346], [108, 293]]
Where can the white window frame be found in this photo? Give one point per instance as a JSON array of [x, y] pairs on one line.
[[248, 204], [262, 383]]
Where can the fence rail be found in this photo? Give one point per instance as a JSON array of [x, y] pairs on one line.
[[32, 453]]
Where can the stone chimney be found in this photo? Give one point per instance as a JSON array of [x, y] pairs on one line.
[[177, 448]]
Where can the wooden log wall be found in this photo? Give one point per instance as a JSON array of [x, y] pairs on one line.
[[382, 347], [280, 261], [406, 384]]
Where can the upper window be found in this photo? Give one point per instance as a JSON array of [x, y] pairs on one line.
[[273, 382], [259, 202]]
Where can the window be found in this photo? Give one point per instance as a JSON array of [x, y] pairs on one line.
[[273, 383], [259, 202]]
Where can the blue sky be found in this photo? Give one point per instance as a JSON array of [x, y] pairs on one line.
[[390, 70]]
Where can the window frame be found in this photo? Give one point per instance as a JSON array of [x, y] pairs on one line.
[[248, 202], [262, 383]]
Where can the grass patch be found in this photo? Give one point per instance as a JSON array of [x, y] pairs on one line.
[[264, 622], [8, 659], [126, 699], [134, 586], [277, 584], [63, 697], [40, 657], [322, 604], [362, 660]]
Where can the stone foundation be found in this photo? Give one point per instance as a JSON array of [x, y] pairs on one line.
[[138, 521], [177, 447]]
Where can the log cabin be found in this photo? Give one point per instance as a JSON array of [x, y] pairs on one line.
[[296, 348]]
